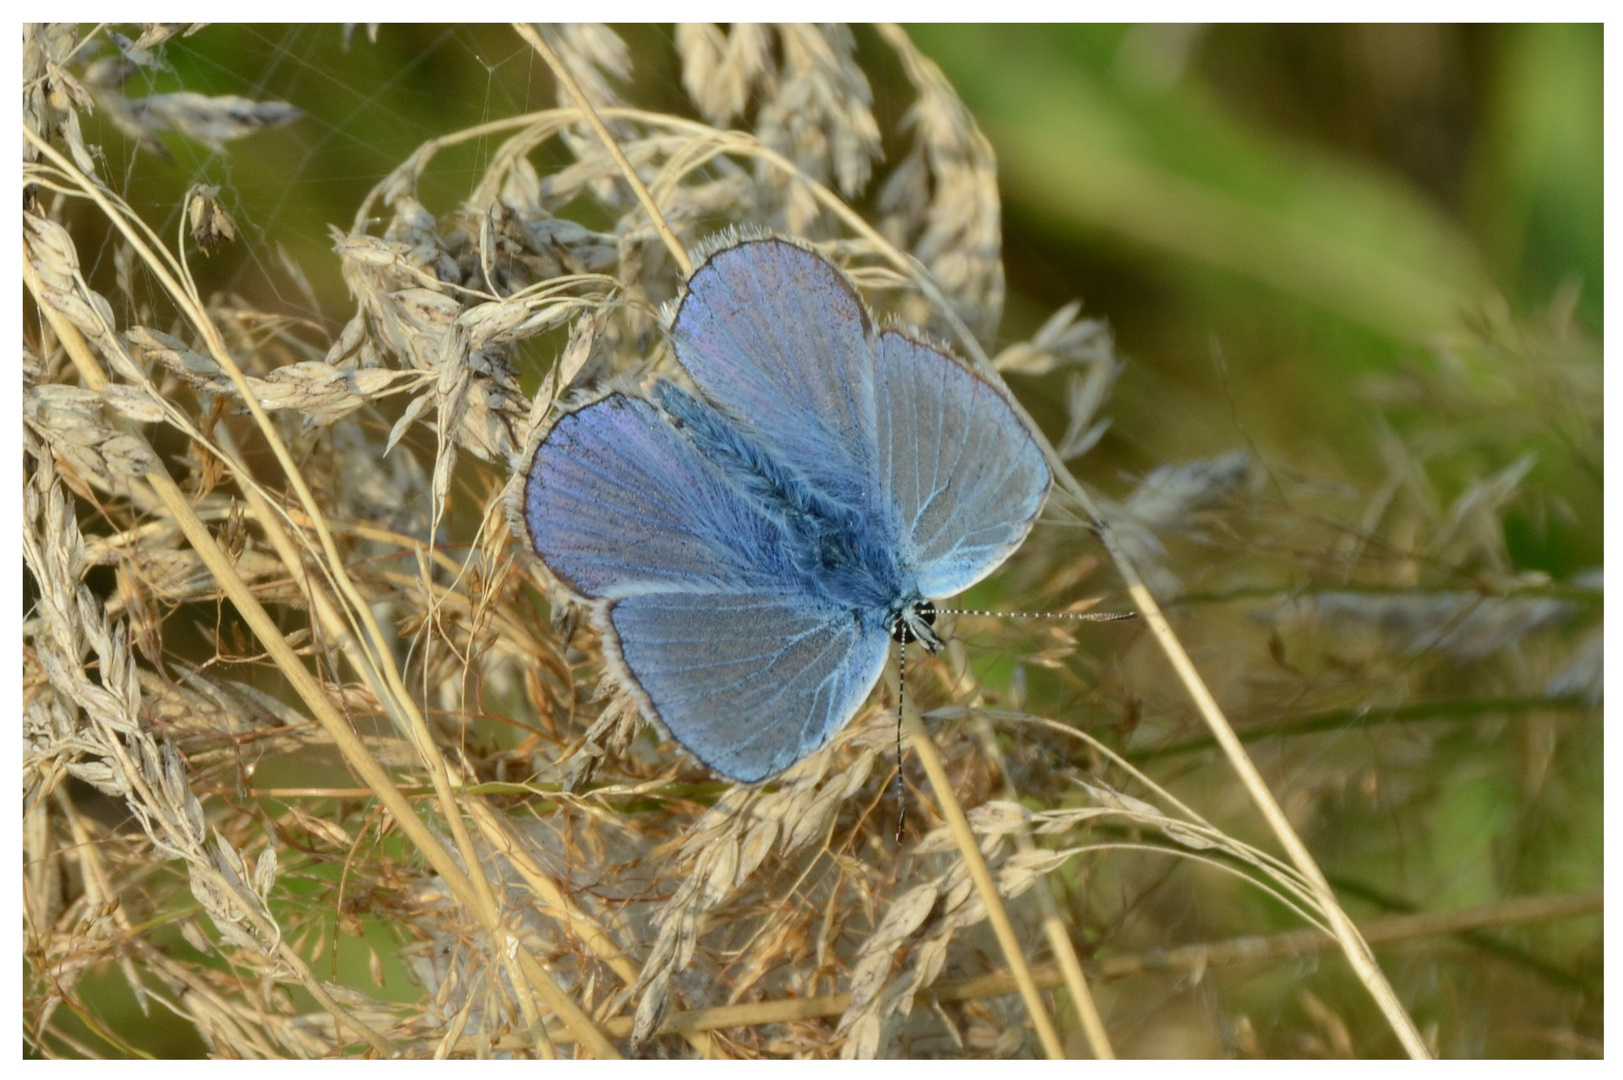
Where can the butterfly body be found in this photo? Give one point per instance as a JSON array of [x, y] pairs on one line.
[[750, 547], [826, 548]]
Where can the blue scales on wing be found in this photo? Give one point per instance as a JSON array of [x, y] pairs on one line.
[[749, 549], [750, 684], [618, 502], [776, 336], [956, 462]]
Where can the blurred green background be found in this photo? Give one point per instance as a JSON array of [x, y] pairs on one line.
[[1273, 219], [1312, 204]]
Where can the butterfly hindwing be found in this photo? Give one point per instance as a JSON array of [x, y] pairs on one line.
[[749, 683]]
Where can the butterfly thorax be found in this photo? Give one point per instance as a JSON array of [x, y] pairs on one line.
[[842, 553]]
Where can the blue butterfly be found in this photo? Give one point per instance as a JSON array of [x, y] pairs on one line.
[[749, 550]]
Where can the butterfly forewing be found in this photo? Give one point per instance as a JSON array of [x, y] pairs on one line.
[[618, 502], [965, 477], [777, 337]]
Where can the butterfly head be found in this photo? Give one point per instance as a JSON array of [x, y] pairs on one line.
[[915, 622]]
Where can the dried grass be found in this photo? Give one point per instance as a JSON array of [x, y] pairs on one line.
[[560, 877]]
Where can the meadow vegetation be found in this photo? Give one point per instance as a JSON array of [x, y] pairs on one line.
[[1309, 319]]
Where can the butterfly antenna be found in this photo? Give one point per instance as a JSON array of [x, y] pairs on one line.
[[1082, 616], [901, 702]]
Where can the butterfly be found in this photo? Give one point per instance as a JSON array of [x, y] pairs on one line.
[[748, 548]]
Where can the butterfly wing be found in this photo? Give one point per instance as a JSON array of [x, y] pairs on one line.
[[777, 337], [748, 683], [618, 502], [961, 469]]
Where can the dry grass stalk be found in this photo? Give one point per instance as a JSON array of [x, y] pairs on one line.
[[117, 754], [941, 201], [1059, 938]]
